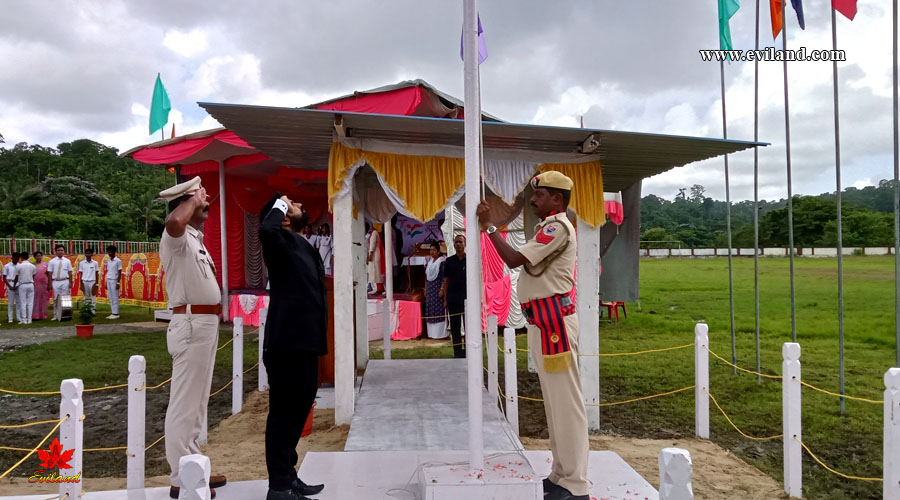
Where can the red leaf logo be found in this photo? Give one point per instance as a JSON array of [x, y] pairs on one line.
[[55, 456]]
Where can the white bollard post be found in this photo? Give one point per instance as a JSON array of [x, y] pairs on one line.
[[511, 376], [701, 380], [71, 433], [531, 366], [493, 373], [263, 375], [237, 366], [386, 311], [892, 435], [675, 471], [790, 401], [194, 473], [137, 414]]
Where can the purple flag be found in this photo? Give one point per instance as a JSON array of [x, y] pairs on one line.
[[482, 47]]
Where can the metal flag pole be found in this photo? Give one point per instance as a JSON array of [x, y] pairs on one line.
[[896, 199], [728, 222], [473, 253], [756, 196], [790, 191], [837, 186]]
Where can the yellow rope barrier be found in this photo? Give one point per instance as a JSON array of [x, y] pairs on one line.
[[28, 424], [155, 442], [875, 401], [765, 375], [225, 344], [11, 448], [829, 469], [742, 433], [36, 448], [248, 370], [612, 354], [29, 393], [106, 388], [114, 448], [223, 388], [642, 398], [157, 386]]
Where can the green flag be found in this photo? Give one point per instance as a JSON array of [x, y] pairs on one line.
[[159, 109], [727, 8]]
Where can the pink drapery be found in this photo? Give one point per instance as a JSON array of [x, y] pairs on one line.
[[615, 211], [408, 319], [213, 166], [174, 153], [497, 284], [237, 310]]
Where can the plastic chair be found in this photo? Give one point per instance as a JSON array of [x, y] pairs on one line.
[[613, 308]]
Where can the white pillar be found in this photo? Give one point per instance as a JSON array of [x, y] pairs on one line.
[[237, 366], [531, 365], [263, 377], [137, 413], [790, 402], [675, 471], [223, 234], [194, 473], [473, 236], [71, 433], [388, 287], [492, 352], [360, 283], [588, 307], [701, 380], [892, 435], [344, 367], [510, 375]]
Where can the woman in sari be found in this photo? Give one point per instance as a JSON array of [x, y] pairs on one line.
[[434, 295], [41, 291]]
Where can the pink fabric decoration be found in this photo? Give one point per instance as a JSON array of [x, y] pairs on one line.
[[250, 318], [176, 152], [497, 285], [408, 318], [615, 211]]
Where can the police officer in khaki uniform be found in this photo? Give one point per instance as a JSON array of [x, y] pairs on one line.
[[544, 287], [193, 333]]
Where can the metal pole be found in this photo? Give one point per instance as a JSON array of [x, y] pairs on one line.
[[756, 196], [837, 186], [896, 199], [790, 191], [224, 243], [473, 236], [728, 222]]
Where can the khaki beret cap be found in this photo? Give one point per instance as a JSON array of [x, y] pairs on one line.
[[180, 190], [552, 179]]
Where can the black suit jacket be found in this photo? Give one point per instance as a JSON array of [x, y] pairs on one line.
[[298, 311]]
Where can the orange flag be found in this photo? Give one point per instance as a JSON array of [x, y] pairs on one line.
[[845, 7], [173, 131], [777, 16]]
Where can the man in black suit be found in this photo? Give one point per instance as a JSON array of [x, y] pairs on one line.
[[295, 338]]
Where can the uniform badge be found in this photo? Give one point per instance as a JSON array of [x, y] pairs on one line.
[[546, 235]]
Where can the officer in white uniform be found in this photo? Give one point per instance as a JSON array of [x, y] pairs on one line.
[[113, 280], [59, 270], [89, 270], [25, 283], [193, 334], [9, 279]]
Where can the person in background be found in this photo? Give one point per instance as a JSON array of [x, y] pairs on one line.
[[435, 313], [9, 279], [59, 275], [41, 287], [296, 335], [454, 293], [88, 270], [325, 244], [308, 235], [374, 259], [113, 280], [25, 284]]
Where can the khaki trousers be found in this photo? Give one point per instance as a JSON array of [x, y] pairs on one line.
[[566, 416], [192, 340]]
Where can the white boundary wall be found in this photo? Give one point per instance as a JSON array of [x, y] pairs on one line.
[[766, 252]]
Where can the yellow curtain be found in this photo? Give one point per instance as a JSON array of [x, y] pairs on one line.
[[424, 183], [587, 193]]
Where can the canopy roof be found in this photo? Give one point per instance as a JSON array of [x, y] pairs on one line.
[[302, 138]]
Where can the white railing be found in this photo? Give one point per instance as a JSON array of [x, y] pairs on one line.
[[763, 252], [73, 247]]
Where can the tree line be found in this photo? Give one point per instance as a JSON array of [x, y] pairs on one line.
[[695, 220], [79, 190]]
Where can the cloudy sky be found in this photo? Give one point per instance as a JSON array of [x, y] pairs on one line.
[[72, 70]]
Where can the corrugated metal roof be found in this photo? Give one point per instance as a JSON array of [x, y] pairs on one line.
[[301, 138]]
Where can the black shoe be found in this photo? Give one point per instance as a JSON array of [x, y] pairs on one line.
[[549, 486], [284, 495], [306, 489], [561, 493]]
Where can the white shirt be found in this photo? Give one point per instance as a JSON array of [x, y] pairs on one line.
[[113, 266], [25, 271], [313, 239], [9, 272], [190, 273], [59, 268], [88, 270]]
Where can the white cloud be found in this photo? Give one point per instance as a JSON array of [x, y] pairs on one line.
[[186, 44]]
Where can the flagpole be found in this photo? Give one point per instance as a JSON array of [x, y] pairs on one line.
[[790, 191], [756, 195], [837, 182], [473, 270], [728, 222], [896, 198]]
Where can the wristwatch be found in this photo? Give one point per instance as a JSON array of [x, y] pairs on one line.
[[491, 230]]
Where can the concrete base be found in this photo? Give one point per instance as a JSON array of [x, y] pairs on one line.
[[421, 404], [507, 477]]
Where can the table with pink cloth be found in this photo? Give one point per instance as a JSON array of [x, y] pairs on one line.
[[408, 318], [247, 306]]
